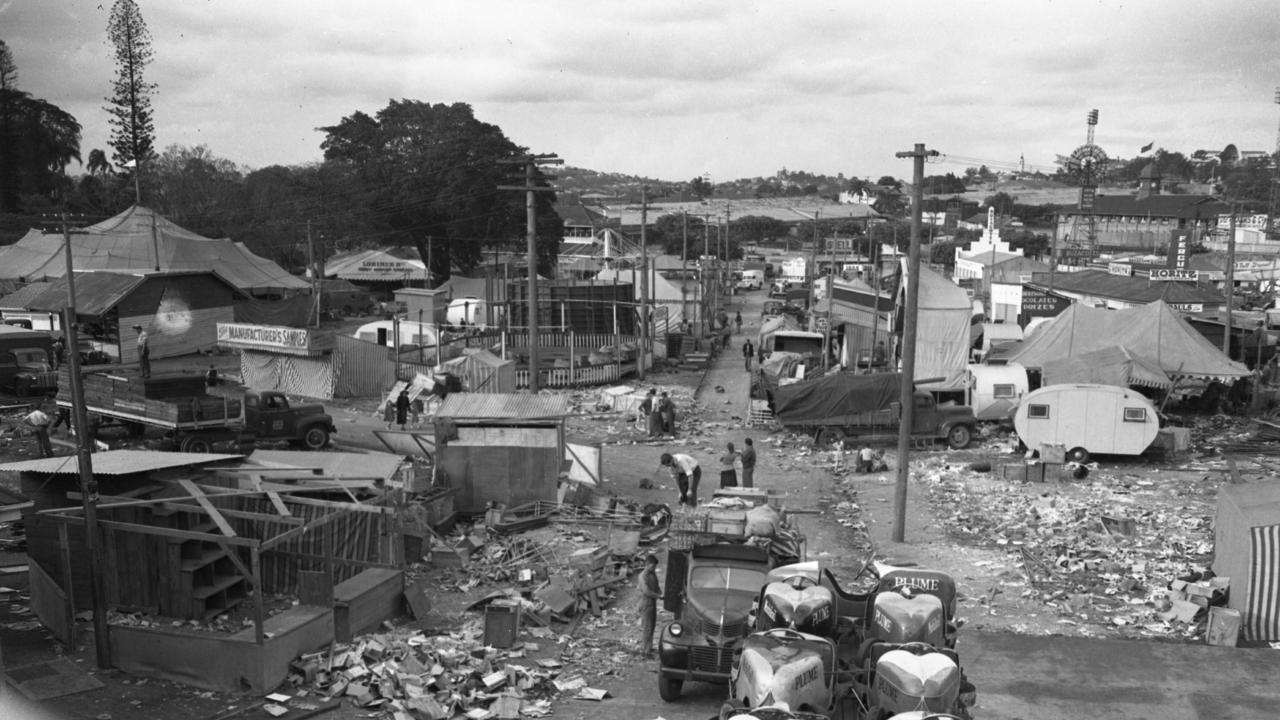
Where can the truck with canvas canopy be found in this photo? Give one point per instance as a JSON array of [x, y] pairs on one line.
[[841, 405]]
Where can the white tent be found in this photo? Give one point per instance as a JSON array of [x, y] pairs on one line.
[[376, 266], [942, 329]]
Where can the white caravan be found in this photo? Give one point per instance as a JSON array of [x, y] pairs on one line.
[[1087, 419]]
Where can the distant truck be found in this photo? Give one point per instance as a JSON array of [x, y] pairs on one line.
[[1086, 418], [841, 405], [26, 361], [196, 420]]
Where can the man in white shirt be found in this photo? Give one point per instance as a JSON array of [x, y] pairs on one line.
[[687, 473], [38, 421]]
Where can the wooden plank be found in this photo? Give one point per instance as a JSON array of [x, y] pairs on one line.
[[68, 585], [172, 532], [288, 535], [315, 588], [214, 515], [274, 497], [186, 505], [259, 614], [245, 572]]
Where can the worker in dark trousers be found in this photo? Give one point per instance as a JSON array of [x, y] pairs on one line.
[[38, 421], [144, 352], [650, 591], [687, 474]]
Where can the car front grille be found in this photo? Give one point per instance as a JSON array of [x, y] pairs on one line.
[[711, 659]]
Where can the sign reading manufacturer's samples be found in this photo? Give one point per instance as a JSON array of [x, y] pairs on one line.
[[295, 341]]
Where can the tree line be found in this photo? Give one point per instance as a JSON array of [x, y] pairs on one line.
[[415, 174]]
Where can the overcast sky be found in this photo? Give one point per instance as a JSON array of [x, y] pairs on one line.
[[672, 89]]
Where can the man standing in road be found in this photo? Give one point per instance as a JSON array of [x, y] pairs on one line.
[[748, 352], [144, 351], [687, 474], [650, 591], [748, 460]]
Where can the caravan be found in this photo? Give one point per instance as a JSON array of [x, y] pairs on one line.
[[1086, 419], [994, 391]]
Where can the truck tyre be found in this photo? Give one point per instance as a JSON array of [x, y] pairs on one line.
[[1078, 455], [829, 437], [959, 437], [669, 688], [196, 444], [315, 437]]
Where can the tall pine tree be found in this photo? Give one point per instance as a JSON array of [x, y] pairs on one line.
[[132, 128]]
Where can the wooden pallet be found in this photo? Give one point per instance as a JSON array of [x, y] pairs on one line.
[[760, 414]]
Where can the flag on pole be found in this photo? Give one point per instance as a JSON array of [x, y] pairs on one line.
[[1147, 148]]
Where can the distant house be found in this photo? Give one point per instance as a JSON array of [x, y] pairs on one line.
[[1146, 221]]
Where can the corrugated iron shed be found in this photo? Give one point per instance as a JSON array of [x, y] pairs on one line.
[[117, 462], [503, 406]]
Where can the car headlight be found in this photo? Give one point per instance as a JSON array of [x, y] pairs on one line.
[[677, 629]]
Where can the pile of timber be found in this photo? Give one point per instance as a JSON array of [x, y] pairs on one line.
[[168, 399]]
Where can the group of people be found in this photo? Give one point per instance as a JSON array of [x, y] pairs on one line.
[[687, 473], [402, 411], [657, 413]]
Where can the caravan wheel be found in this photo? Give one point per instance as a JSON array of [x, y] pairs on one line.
[[1078, 455]]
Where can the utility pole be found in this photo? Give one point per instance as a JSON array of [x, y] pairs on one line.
[[907, 393], [813, 252], [684, 266], [531, 163], [725, 275], [84, 450], [1231, 282], [644, 280], [315, 272]]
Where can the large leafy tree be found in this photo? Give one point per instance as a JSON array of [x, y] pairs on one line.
[[428, 176], [132, 126], [196, 188], [37, 140]]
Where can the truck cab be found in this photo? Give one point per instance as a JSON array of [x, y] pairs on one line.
[[268, 415], [712, 590], [954, 423]]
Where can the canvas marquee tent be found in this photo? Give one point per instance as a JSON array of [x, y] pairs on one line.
[[1114, 365], [1153, 333], [140, 239], [1246, 534], [483, 372], [942, 330], [376, 266]]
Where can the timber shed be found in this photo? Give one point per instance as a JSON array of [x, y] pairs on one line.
[[506, 448], [189, 554]]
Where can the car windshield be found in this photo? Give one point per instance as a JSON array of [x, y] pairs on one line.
[[727, 578]]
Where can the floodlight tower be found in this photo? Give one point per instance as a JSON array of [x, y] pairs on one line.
[[1087, 164]]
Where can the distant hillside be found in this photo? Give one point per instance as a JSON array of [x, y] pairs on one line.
[[575, 182]]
